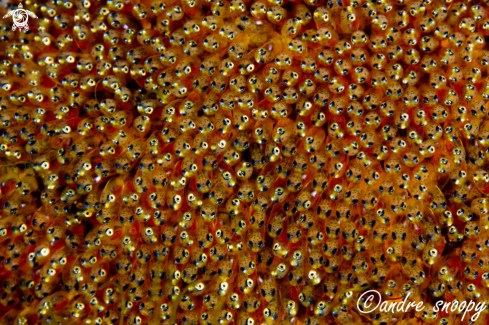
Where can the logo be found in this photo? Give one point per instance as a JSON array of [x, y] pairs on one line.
[[20, 17], [371, 300]]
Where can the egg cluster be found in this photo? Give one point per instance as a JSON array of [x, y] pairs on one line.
[[243, 162]]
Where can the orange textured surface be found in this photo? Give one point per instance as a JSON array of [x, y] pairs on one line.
[[242, 162]]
